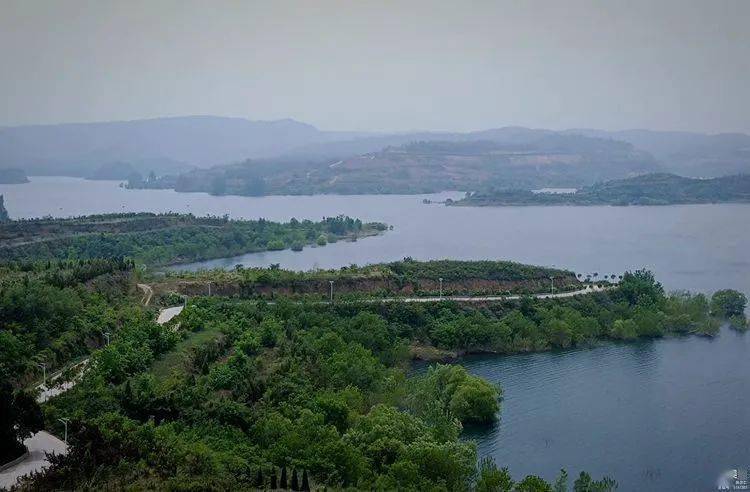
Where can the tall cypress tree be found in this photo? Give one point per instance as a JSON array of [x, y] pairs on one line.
[[283, 484], [305, 481], [295, 481]]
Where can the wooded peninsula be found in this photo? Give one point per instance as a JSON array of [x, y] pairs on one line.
[[239, 393], [166, 239], [648, 189]]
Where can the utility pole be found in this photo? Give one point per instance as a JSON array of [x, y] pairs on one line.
[[209, 289], [65, 421], [441, 287], [43, 365], [331, 282]]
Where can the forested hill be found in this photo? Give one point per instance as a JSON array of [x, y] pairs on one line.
[[167, 238], [649, 189], [524, 158]]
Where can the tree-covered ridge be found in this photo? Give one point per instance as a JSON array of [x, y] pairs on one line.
[[396, 279], [162, 239], [506, 157], [649, 189]]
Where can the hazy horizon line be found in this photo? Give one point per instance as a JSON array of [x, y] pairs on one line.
[[363, 131]]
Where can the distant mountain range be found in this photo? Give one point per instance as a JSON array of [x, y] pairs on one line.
[[174, 146]]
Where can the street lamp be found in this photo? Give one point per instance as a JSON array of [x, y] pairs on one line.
[[65, 421], [331, 282], [441, 287], [43, 365]]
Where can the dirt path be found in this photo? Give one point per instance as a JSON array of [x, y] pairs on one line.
[[148, 293]]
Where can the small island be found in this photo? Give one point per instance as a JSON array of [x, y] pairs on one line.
[[167, 239], [13, 176], [647, 189]]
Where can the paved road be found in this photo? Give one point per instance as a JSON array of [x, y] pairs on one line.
[[42, 442], [168, 313], [37, 445], [559, 295], [48, 392]]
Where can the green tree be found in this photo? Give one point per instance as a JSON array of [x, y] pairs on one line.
[[584, 483], [493, 479], [532, 483], [727, 303], [640, 287], [561, 482]]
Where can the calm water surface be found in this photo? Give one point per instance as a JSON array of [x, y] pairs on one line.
[[663, 415], [697, 247]]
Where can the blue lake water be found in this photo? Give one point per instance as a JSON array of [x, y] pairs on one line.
[[661, 415]]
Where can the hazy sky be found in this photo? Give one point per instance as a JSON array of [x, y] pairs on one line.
[[381, 65]]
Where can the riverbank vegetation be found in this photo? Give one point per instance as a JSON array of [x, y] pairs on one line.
[[163, 239], [648, 189]]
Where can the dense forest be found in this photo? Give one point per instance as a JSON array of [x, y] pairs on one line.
[[53, 312], [241, 394], [649, 189], [163, 239]]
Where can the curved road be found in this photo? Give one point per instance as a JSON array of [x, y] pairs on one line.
[[38, 444], [43, 442], [587, 290]]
